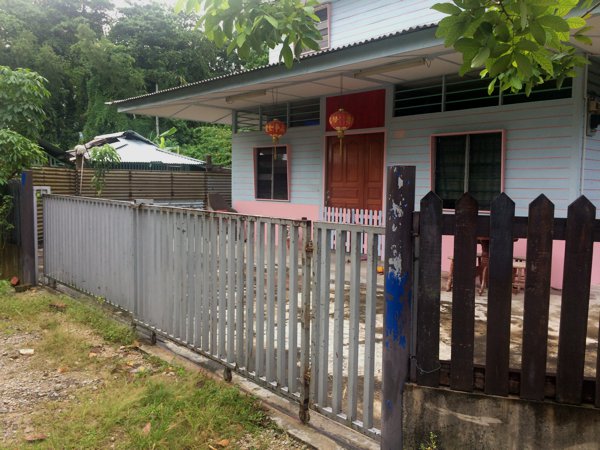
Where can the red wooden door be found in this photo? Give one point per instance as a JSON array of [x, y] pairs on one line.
[[355, 175]]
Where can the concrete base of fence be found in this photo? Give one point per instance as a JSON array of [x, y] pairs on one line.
[[466, 420]]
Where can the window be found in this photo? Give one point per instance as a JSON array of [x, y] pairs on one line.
[[323, 12], [271, 172], [454, 93], [468, 163], [302, 113]]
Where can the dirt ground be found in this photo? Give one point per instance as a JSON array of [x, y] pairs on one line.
[[33, 383]]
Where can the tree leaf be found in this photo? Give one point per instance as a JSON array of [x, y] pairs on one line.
[[538, 33], [481, 57], [576, 22], [500, 65], [447, 8], [554, 22], [523, 65]]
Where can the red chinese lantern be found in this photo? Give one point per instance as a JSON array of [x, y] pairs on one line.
[[275, 128], [340, 121]]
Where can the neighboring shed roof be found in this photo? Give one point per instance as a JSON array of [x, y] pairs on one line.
[[134, 148]]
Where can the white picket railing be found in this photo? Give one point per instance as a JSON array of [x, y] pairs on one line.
[[351, 216]]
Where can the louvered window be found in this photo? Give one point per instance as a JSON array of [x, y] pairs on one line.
[[302, 113], [453, 93]]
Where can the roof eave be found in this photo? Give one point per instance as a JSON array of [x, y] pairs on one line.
[[410, 40]]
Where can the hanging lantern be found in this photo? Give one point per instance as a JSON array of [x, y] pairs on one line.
[[275, 128], [340, 121]]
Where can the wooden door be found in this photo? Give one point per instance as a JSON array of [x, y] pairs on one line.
[[355, 175]]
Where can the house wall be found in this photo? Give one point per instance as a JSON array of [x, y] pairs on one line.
[[305, 169], [357, 20]]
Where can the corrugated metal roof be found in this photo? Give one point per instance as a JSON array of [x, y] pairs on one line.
[[268, 66], [134, 148]]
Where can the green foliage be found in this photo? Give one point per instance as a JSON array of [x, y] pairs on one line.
[[519, 43], [248, 26], [210, 140], [22, 96], [5, 288], [102, 158], [6, 202], [431, 442], [17, 153]]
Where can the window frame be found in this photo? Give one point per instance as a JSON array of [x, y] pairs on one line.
[[433, 154], [255, 151], [323, 6]]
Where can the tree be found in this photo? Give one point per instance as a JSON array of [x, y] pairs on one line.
[[254, 25], [22, 94], [211, 140], [519, 43]]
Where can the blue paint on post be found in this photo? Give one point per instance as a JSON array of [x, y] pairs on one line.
[[394, 330]]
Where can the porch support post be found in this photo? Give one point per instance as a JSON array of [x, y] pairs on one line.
[[28, 256], [400, 203]]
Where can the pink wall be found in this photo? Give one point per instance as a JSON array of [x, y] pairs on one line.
[[520, 250], [284, 210]]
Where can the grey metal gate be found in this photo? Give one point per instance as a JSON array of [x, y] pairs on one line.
[[237, 289]]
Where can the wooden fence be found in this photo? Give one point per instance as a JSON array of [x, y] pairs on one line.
[[531, 381]]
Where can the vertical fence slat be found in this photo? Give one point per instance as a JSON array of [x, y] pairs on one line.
[[305, 342], [222, 317], [579, 248], [250, 297], [540, 229], [499, 296], [428, 310], [241, 225], [370, 316], [270, 349], [231, 235], [338, 322], [260, 300], [213, 294], [315, 336], [207, 264], [463, 295], [293, 314], [325, 272], [281, 304], [353, 324]]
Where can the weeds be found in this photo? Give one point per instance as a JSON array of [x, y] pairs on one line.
[[430, 443]]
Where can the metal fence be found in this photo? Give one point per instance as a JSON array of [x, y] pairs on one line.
[[347, 307], [233, 288]]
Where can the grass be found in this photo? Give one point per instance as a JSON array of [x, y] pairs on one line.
[[161, 406]]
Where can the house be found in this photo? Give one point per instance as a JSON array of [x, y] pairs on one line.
[[382, 62], [135, 152]]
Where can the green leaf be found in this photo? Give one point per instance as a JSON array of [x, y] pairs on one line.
[[481, 57], [583, 39], [576, 22], [527, 45], [500, 65], [538, 33], [272, 21], [523, 65], [492, 86], [287, 56], [446, 8], [554, 22]]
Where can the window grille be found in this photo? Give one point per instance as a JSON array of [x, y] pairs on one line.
[[271, 172], [294, 114], [453, 93]]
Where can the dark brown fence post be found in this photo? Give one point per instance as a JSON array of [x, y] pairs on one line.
[[27, 227], [579, 247], [499, 296], [540, 231], [428, 308], [463, 294], [400, 203]]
